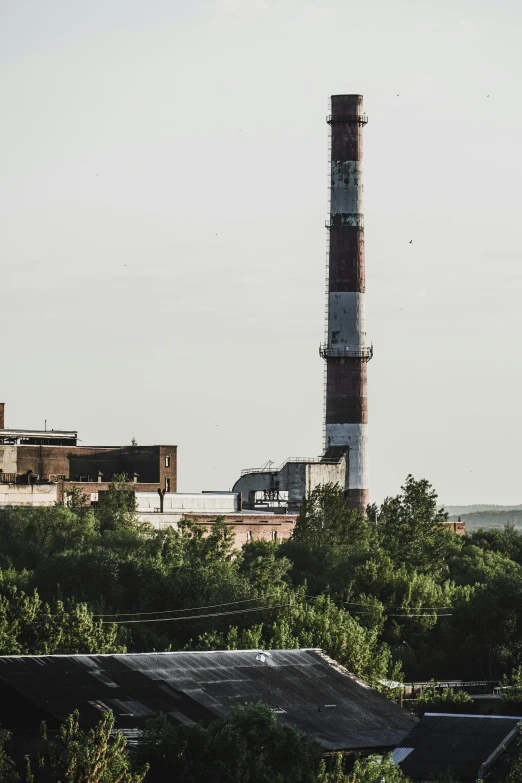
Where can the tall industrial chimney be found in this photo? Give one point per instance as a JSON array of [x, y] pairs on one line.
[[2, 415], [345, 349]]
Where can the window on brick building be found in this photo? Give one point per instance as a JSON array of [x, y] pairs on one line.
[[167, 485], [167, 461], [274, 535], [249, 535]]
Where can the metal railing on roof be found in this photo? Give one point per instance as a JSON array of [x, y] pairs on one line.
[[274, 471]]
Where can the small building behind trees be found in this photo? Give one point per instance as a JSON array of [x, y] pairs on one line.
[[465, 748]]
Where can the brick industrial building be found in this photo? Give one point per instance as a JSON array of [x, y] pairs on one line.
[[40, 467], [35, 461]]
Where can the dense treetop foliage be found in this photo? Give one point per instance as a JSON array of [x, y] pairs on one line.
[[390, 595], [73, 756], [393, 595], [248, 746]]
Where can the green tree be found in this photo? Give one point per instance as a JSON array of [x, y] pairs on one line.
[[29, 535], [96, 756], [486, 626], [377, 768], [474, 565], [323, 625], [368, 770], [435, 699], [117, 505], [511, 692], [30, 627], [328, 541], [411, 528], [325, 518], [514, 774], [8, 773], [248, 746], [507, 541]]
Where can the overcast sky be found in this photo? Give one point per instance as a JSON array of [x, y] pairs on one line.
[[162, 241]]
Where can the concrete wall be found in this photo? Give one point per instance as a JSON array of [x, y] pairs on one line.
[[246, 528], [24, 495], [296, 478], [91, 489], [207, 501], [8, 459], [300, 478], [257, 482]]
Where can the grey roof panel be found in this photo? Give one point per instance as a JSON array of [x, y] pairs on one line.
[[459, 744], [192, 686]]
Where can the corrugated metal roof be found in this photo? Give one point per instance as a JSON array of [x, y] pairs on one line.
[[302, 686], [459, 744]]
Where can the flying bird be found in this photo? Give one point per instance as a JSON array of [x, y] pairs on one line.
[[411, 240]]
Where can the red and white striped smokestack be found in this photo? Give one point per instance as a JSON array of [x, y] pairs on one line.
[[345, 349]]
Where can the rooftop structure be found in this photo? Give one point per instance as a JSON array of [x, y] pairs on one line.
[[288, 485], [465, 747], [303, 687], [38, 437]]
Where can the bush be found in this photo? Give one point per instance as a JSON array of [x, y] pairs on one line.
[[435, 699]]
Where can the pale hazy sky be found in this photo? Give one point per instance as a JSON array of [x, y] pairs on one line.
[[162, 245]]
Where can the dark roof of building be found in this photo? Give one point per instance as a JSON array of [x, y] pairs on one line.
[[334, 452], [456, 744], [304, 688]]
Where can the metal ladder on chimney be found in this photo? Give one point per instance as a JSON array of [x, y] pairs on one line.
[[327, 275]]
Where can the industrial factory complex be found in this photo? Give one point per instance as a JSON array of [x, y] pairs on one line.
[[43, 467], [39, 468]]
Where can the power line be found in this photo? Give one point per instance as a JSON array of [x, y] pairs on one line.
[[409, 615], [195, 616], [249, 600], [414, 608], [171, 611], [419, 615]]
